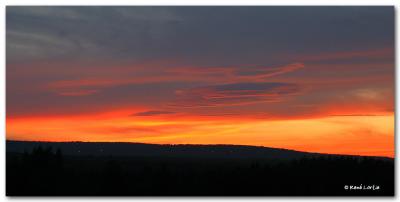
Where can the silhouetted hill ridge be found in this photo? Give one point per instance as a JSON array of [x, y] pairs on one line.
[[124, 149]]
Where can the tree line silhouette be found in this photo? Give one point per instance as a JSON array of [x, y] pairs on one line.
[[47, 172]]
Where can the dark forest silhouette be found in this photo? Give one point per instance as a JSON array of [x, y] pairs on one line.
[[46, 171]]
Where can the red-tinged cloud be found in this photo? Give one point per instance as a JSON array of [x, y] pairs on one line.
[[262, 73], [235, 94], [79, 87], [234, 74]]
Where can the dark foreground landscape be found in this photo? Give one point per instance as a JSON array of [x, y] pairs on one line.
[[124, 169]]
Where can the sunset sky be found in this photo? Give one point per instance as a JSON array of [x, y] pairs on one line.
[[317, 79]]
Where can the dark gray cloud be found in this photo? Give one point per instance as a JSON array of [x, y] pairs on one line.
[[152, 113], [201, 35], [234, 94]]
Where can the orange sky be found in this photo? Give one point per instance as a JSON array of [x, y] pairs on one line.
[[359, 134], [315, 79]]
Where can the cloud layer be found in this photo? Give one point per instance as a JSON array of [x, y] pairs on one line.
[[230, 59]]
